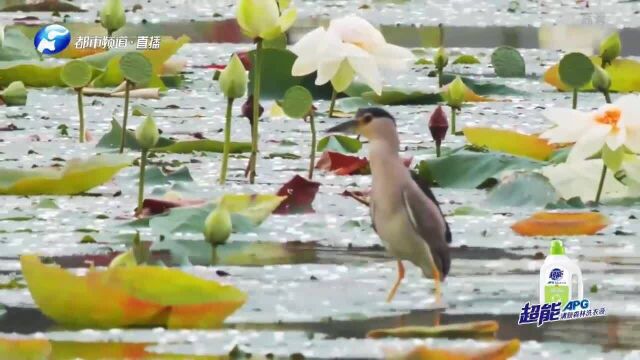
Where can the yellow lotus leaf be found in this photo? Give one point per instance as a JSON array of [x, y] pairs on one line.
[[24, 349], [624, 73], [500, 351], [256, 207], [76, 177], [478, 329], [129, 296], [558, 224], [510, 142]]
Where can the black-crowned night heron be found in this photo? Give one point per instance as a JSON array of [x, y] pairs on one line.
[[404, 211]]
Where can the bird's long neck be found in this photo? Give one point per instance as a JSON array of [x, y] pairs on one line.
[[385, 161]]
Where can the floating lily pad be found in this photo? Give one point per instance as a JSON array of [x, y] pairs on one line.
[[466, 169], [138, 296], [76, 177], [466, 60], [523, 189], [559, 224], [510, 142], [480, 329]]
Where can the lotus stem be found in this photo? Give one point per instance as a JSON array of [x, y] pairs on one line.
[[214, 254], [575, 98], [256, 112], [438, 144], [227, 142], [607, 96], [601, 184], [332, 105], [453, 121], [440, 79], [127, 87], [81, 114], [312, 157], [143, 164]]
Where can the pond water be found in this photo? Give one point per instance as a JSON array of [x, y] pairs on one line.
[[324, 296]]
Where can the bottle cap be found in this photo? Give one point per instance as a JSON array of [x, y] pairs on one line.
[[556, 248]]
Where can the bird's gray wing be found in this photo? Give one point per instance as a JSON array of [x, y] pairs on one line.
[[426, 189], [427, 220]]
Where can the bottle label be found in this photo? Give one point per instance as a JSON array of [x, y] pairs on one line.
[[555, 293]]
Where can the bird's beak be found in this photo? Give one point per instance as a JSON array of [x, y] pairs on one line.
[[347, 127]]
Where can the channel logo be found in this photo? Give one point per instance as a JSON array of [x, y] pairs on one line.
[[52, 39]]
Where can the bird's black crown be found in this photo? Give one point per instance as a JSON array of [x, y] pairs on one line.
[[374, 112]]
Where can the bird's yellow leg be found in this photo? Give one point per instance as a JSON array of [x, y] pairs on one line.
[[392, 293], [436, 281]]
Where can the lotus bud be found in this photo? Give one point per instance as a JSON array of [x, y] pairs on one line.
[[455, 93], [112, 15], [217, 226], [233, 79], [610, 49], [247, 109], [441, 59], [438, 125], [601, 80], [147, 133], [261, 19]]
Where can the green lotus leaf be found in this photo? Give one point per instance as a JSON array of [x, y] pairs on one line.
[[136, 68], [576, 70], [507, 62], [297, 102], [76, 74]]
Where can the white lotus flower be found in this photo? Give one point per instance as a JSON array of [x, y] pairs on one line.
[[349, 46], [614, 124]]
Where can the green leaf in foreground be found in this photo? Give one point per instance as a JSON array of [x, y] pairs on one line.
[[76, 177], [136, 68], [576, 70], [76, 74], [467, 169], [15, 94], [507, 62], [339, 143], [297, 102]]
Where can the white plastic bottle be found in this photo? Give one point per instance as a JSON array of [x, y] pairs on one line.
[[556, 277]]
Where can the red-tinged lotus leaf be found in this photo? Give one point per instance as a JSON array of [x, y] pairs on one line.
[[24, 349], [129, 296], [558, 224], [256, 207], [509, 142], [341, 164], [499, 351], [300, 194], [159, 206]]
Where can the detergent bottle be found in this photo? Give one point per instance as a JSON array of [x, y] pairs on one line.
[[556, 277]]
